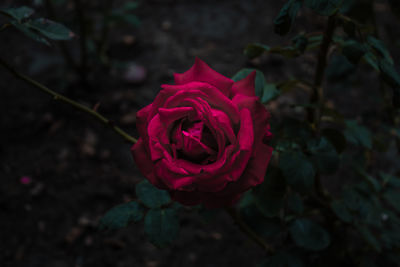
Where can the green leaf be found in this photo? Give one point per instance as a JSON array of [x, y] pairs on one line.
[[120, 216], [282, 259], [380, 47], [298, 170], [369, 237], [151, 196], [259, 82], [353, 51], [336, 138], [373, 182], [51, 29], [28, 32], [251, 214], [392, 197], [389, 74], [340, 209], [324, 156], [270, 92], [18, 13], [269, 196], [390, 180], [309, 235], [161, 226], [295, 203], [339, 68], [300, 42], [323, 7], [255, 50], [358, 134], [284, 21]]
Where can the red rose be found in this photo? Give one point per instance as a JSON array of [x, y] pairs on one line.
[[203, 139]]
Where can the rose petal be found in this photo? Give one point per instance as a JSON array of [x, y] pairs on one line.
[[201, 72], [245, 86]]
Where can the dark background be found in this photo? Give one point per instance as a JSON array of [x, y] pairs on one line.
[[80, 169]]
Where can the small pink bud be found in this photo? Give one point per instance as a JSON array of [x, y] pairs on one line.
[[25, 180]]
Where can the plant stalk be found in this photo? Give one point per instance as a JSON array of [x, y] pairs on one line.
[[317, 96], [248, 231], [69, 101]]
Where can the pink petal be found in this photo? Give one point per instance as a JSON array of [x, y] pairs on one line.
[[144, 163], [245, 86], [201, 72]]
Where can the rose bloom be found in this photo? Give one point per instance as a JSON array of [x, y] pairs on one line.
[[204, 139]]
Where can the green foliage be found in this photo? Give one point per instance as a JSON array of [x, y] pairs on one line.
[[297, 169], [124, 14], [151, 196], [259, 83], [19, 13], [283, 22], [269, 196], [353, 50], [324, 7], [120, 216], [309, 235], [36, 29], [324, 156], [161, 226], [358, 134]]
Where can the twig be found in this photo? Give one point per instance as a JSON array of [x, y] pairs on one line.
[[248, 231], [69, 101], [317, 97]]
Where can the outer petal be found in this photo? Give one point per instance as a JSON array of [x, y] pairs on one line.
[[201, 72], [144, 162], [245, 86]]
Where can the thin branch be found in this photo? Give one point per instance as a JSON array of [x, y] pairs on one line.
[[317, 97], [248, 231], [69, 101]]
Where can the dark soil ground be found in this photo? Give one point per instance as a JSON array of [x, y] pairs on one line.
[[80, 169]]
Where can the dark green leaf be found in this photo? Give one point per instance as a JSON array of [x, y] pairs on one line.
[[270, 92], [336, 138], [151, 196], [298, 170], [340, 209], [259, 83], [295, 203], [339, 68], [300, 42], [324, 156], [18, 13], [283, 22], [309, 235], [393, 198], [255, 50], [251, 214], [121, 215], [389, 74], [390, 180], [369, 237], [358, 134], [371, 59], [372, 181], [380, 47], [282, 259], [269, 196], [28, 32], [51, 29], [323, 7], [161, 226], [353, 51]]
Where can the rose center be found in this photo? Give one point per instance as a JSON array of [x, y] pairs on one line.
[[194, 141]]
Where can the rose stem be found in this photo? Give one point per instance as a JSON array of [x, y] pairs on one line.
[[247, 230], [317, 97], [69, 101]]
